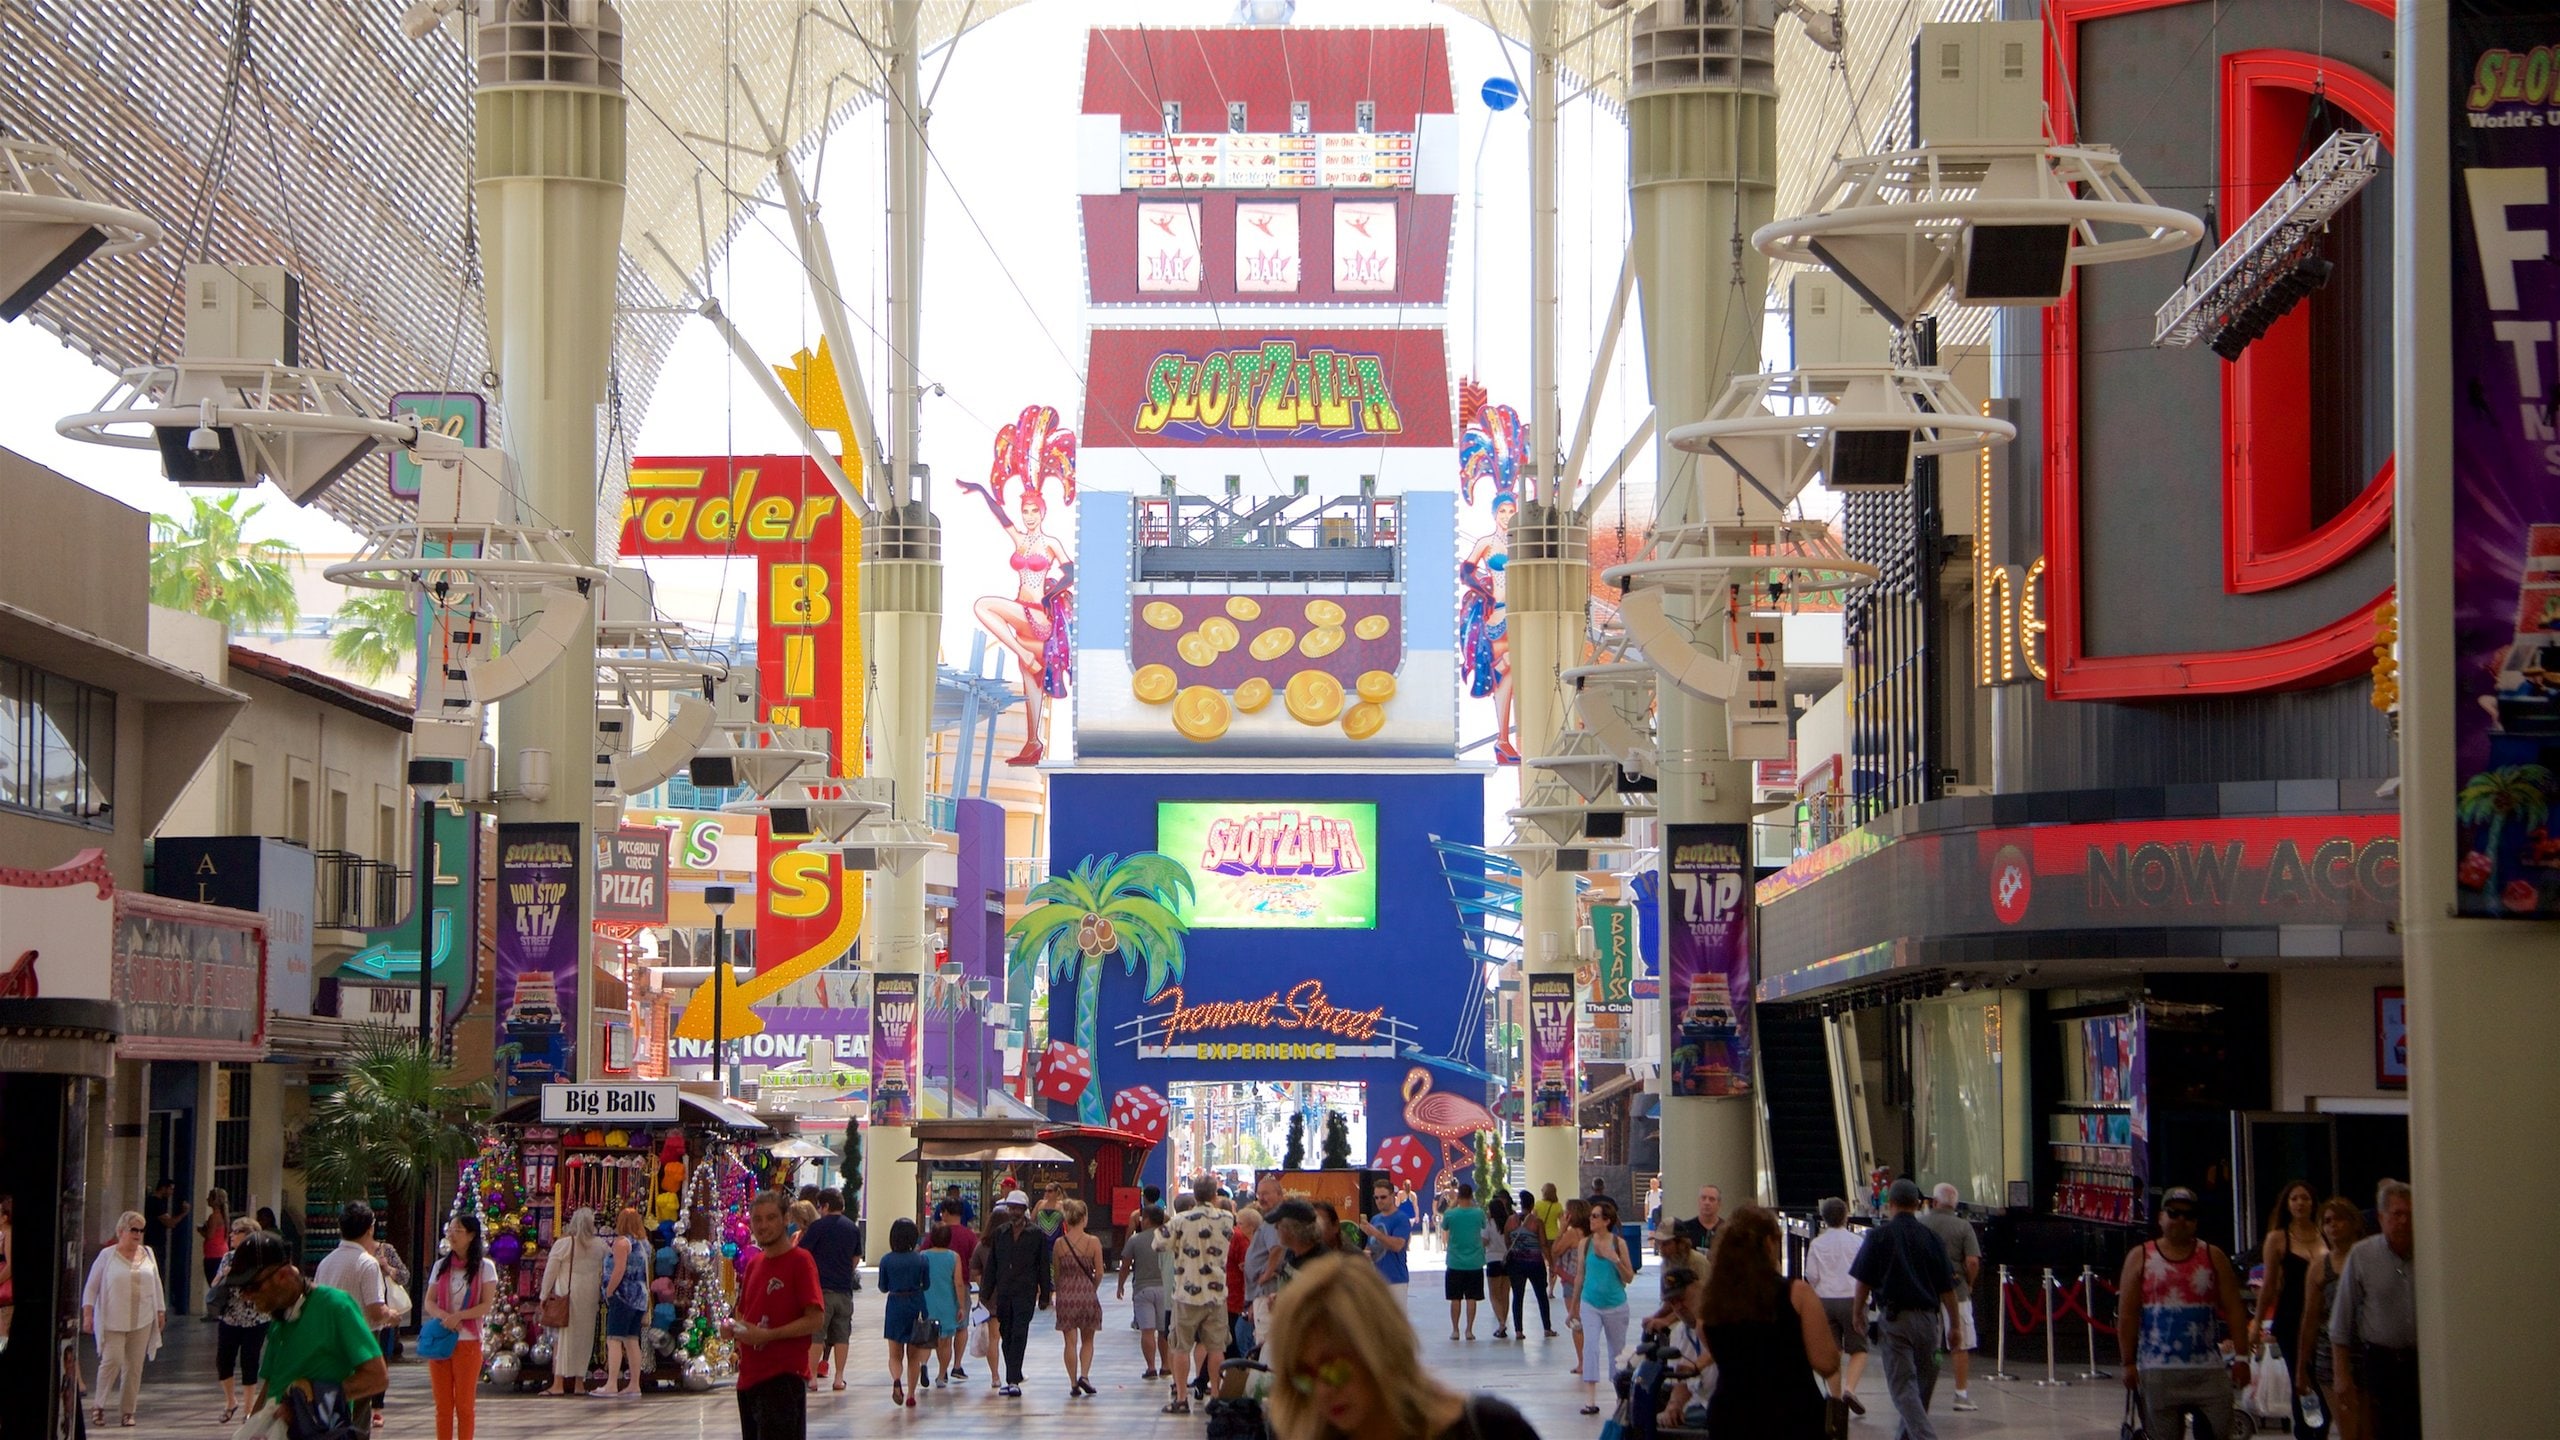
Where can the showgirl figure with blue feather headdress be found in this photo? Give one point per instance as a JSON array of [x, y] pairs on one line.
[[1494, 443]]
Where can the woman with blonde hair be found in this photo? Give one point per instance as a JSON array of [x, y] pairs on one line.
[[1075, 1268], [124, 1306], [1572, 1232], [1345, 1366], [626, 1303], [573, 1273]]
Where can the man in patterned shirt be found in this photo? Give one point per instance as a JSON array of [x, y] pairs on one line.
[[1195, 1265]]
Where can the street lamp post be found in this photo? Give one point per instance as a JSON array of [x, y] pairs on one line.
[[428, 778], [719, 898]]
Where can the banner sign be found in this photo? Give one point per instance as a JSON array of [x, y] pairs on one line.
[[894, 1049], [631, 876], [542, 948], [1554, 1074], [192, 980], [658, 1103], [276, 878], [1613, 935], [2506, 472], [781, 511], [1245, 389], [1706, 967]]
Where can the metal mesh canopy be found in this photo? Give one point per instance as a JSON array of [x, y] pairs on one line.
[[342, 150]]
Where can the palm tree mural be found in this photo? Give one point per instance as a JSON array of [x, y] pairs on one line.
[[1106, 906], [207, 565], [2518, 793]]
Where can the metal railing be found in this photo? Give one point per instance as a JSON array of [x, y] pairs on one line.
[[351, 892], [942, 812], [1278, 537], [1023, 873]]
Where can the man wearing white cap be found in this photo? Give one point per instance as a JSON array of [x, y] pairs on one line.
[[1015, 1282]]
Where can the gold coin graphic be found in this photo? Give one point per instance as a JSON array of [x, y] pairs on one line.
[[1200, 713], [1253, 694], [1314, 697], [1220, 631], [1364, 720], [1371, 627], [1323, 612], [1161, 615], [1244, 607], [1154, 683], [1196, 649], [1376, 685], [1321, 641], [1273, 643]]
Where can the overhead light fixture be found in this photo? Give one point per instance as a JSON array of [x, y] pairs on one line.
[[1998, 223], [53, 217], [826, 809], [2269, 252], [1855, 427]]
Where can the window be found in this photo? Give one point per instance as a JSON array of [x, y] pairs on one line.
[[297, 811], [335, 837], [387, 832], [57, 746], [1172, 117], [231, 1133], [243, 819], [1301, 117], [1364, 117], [1235, 117]]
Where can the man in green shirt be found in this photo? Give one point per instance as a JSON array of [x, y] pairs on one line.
[[1464, 1225], [318, 1335]]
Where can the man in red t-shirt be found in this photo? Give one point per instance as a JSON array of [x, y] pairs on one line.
[[779, 1307]]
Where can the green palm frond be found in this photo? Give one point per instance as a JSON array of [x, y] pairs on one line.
[[1156, 876], [207, 565], [373, 632]]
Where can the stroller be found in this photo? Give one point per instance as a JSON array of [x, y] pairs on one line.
[[1235, 1412], [1642, 1388]]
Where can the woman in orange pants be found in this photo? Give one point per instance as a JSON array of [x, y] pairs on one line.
[[458, 1294]]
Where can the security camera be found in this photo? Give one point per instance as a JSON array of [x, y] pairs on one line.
[[203, 440], [2230, 962]]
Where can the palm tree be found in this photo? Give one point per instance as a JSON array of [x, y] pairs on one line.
[[208, 566], [396, 1124], [2511, 792], [1104, 907], [373, 632]]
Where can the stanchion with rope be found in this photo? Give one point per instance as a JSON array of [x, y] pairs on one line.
[[2089, 1314], [2000, 1361], [2050, 1380]]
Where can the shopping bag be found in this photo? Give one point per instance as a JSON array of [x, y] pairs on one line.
[[2270, 1391], [2132, 1427]]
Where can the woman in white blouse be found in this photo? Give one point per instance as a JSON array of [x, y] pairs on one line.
[[124, 1306]]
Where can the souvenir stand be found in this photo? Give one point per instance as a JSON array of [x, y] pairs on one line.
[[1098, 1165], [530, 1177]]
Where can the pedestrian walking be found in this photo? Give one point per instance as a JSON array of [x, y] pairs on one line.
[[241, 1334], [458, 1295], [572, 1276], [1497, 1260], [1075, 1279], [1606, 1269], [1195, 1246], [213, 1236], [1964, 1256], [1766, 1335], [626, 1303], [946, 1303], [2315, 1386], [1550, 1213], [1140, 1264], [2373, 1325], [1347, 1366], [834, 1244], [1903, 1265], [1263, 1252], [2291, 1246], [779, 1306], [1464, 1225], [1826, 1268], [905, 1322], [356, 1267], [1240, 1328], [1016, 1281], [319, 1343], [124, 1307], [2169, 1295], [1390, 1234], [1525, 1255], [1573, 1239]]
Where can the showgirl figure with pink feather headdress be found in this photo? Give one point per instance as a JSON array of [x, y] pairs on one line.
[[1493, 445], [1035, 620]]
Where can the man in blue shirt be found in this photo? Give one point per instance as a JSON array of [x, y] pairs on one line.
[[1904, 1266], [968, 1212], [1389, 1233], [836, 1245]]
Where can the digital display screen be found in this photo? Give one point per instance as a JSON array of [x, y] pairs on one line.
[[1275, 864]]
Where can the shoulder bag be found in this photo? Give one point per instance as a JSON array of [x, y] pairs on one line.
[[318, 1410]]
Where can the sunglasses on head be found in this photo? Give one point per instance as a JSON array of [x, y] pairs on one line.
[[1333, 1374]]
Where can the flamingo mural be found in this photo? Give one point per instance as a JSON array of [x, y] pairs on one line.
[[1441, 1114]]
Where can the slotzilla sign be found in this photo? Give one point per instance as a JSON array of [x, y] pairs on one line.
[[622, 1104], [1243, 388]]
